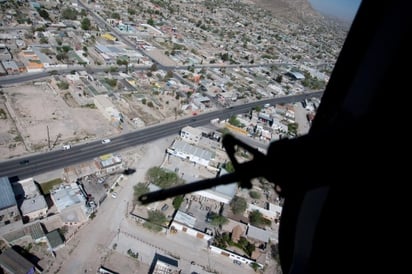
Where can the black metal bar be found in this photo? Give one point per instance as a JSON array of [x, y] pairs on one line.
[[187, 188]]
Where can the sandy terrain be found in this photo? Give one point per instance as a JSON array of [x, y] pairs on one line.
[[10, 144], [34, 108]]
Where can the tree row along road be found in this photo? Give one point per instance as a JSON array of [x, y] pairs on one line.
[[42, 162]]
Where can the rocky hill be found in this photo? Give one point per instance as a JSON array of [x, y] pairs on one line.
[[300, 10]]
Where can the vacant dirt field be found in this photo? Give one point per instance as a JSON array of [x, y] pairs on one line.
[[156, 109], [32, 109], [36, 116], [10, 144]]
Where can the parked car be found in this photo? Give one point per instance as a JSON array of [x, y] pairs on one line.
[[106, 141], [237, 262], [129, 171], [114, 195]]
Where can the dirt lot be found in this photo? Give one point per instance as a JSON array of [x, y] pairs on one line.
[[32, 109], [28, 113], [10, 144]]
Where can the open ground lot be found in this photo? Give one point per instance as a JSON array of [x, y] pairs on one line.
[[38, 110], [36, 116]]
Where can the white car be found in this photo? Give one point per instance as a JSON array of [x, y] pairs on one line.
[[66, 147], [106, 141], [114, 195]]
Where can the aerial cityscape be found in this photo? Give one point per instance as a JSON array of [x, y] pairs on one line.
[[103, 101]]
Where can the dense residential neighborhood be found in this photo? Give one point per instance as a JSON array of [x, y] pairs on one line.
[[90, 73]]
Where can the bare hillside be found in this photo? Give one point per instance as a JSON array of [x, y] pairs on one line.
[[292, 9]]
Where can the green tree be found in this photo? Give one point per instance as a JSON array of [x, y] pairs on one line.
[[155, 220], [156, 217], [238, 205], [235, 122], [131, 11], [153, 67], [256, 218], [293, 128], [85, 24], [258, 108], [177, 201], [224, 56], [139, 190], [44, 40], [83, 13], [150, 21], [254, 194], [162, 178], [279, 78], [122, 61], [169, 74], [66, 48], [69, 13], [111, 82], [63, 85], [229, 167], [44, 14], [217, 220], [116, 15]]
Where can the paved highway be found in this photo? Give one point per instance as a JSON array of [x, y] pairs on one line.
[[39, 163]]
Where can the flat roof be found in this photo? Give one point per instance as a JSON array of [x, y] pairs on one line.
[[55, 239], [33, 204], [7, 198], [258, 234], [184, 218], [192, 130], [192, 150], [66, 196], [15, 263], [36, 231]]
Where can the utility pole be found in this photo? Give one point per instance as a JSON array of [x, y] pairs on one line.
[[48, 137]]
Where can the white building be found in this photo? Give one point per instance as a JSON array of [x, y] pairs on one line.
[[272, 213], [192, 153], [70, 204], [191, 135]]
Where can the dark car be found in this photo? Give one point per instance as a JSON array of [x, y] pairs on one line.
[[24, 162], [129, 171]]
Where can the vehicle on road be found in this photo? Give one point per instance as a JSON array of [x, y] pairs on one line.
[[106, 141], [24, 162], [237, 262], [114, 195], [67, 147]]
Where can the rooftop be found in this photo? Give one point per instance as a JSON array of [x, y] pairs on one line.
[[13, 262], [55, 239], [7, 198], [66, 196], [33, 204], [192, 150], [35, 230], [184, 218], [258, 234]]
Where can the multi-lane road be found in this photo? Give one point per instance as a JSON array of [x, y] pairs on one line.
[[42, 162]]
